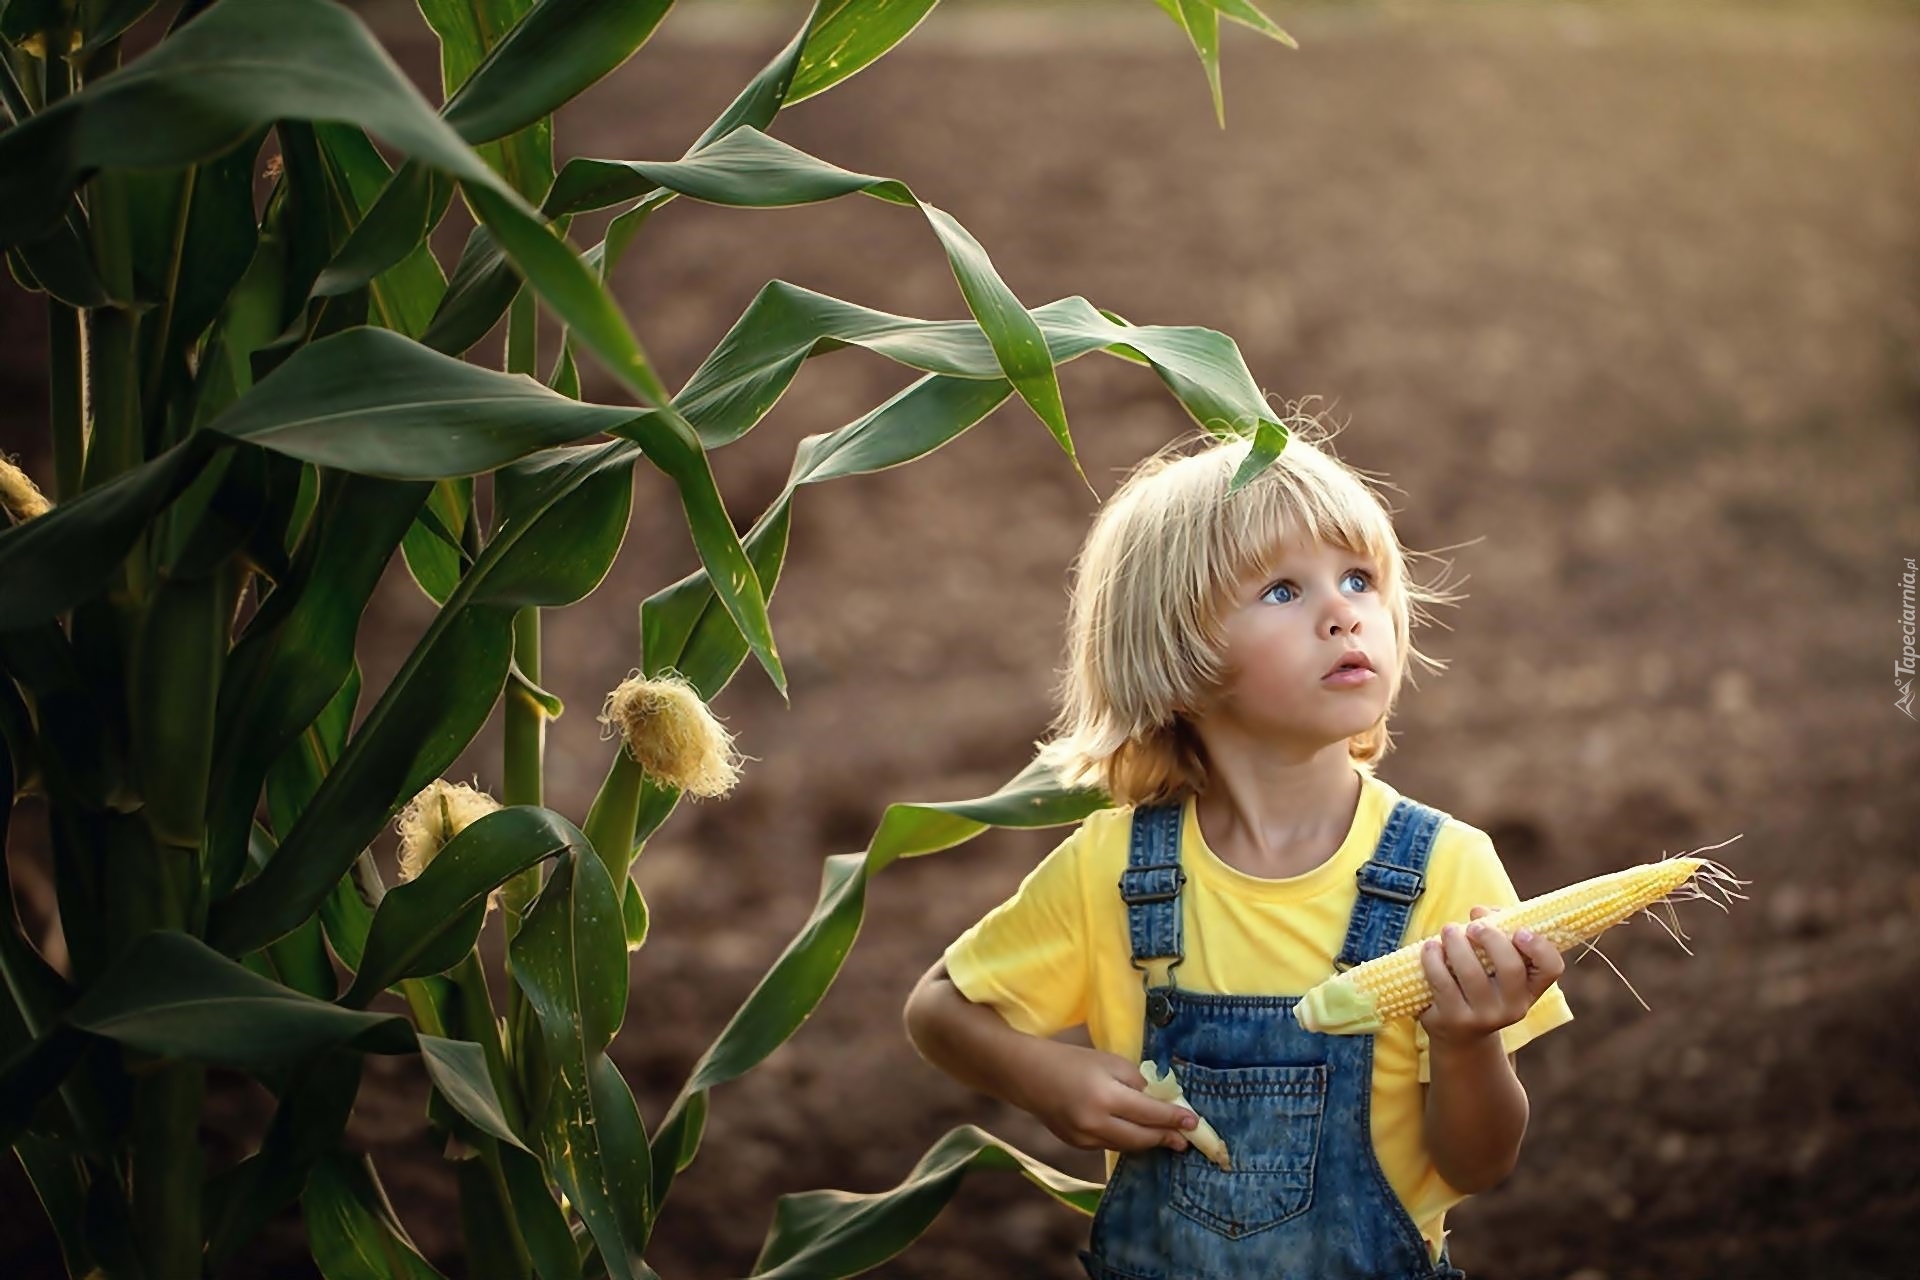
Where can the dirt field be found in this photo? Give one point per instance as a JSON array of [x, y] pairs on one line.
[[1628, 309]]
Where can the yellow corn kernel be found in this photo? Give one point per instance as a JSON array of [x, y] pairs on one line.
[[1365, 997]]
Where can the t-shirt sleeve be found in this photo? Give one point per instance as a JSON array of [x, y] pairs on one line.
[[1027, 958], [1478, 877]]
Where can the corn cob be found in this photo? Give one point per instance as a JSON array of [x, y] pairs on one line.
[[1203, 1135], [1365, 997]]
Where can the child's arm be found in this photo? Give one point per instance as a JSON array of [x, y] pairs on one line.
[[1087, 1098], [1476, 1108]]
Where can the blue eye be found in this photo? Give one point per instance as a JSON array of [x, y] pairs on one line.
[[1366, 584]]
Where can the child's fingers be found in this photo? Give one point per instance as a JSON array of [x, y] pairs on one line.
[[1545, 964], [1509, 966], [1124, 1135], [1447, 1000], [1149, 1112], [1464, 962]]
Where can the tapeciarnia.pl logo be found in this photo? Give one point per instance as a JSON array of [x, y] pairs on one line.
[[1903, 666]]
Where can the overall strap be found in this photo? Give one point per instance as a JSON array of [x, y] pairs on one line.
[[1390, 882], [1150, 886]]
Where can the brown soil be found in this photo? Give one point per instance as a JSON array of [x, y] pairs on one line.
[[1624, 305]]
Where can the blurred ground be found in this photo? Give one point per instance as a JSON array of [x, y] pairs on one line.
[[1626, 304]]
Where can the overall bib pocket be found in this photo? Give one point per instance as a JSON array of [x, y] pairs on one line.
[[1270, 1119]]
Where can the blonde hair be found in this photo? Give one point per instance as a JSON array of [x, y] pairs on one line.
[[1145, 644]]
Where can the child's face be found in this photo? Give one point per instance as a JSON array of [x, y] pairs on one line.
[[1308, 607]]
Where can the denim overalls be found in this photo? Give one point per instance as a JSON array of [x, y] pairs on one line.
[[1306, 1199]]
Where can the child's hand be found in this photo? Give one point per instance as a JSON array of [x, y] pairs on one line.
[[1468, 1003], [1094, 1100]]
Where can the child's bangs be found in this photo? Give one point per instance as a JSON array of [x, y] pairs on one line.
[[1333, 509]]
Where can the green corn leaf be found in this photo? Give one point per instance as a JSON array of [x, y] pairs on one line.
[[1200, 20], [59, 1181], [468, 29], [458, 1069], [391, 213], [296, 775], [109, 20], [433, 552], [556, 552], [845, 36], [299, 960], [51, 563], [790, 991], [169, 994], [1268, 440], [227, 509], [209, 86], [668, 440], [298, 651], [475, 312], [823, 1235], [1247, 14], [557, 50], [570, 958], [58, 263], [543, 1225], [215, 246], [574, 504], [351, 1226], [307, 1124], [748, 169], [784, 325], [483, 285], [429, 924], [236, 68], [370, 401], [249, 320]]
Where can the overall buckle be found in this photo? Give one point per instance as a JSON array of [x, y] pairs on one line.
[[1386, 890], [1132, 876]]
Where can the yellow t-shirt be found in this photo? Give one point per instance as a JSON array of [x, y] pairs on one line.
[[1056, 955]]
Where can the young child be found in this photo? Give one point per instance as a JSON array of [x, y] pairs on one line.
[[1212, 691]]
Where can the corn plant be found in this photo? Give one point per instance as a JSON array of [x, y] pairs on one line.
[[254, 406]]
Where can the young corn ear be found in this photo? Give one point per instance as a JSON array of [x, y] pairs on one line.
[[434, 817], [1362, 999], [672, 734], [1205, 1138]]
